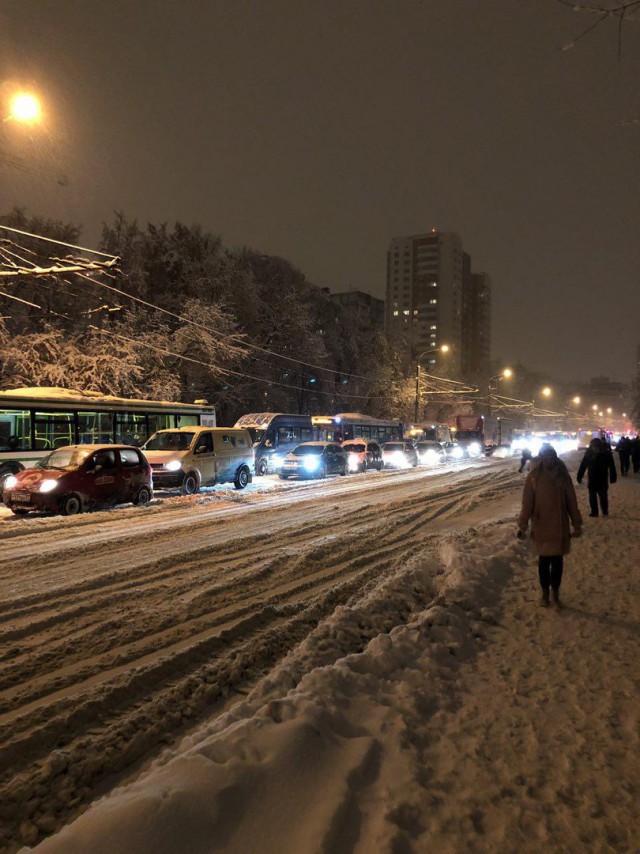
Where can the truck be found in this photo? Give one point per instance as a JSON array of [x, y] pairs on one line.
[[482, 434]]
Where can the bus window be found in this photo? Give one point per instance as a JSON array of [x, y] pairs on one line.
[[95, 428], [131, 429], [54, 430], [160, 421], [288, 435], [186, 421], [15, 429]]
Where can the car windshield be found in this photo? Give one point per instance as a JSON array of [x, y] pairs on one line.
[[307, 450], [394, 446], [178, 441], [427, 446], [65, 458], [357, 448]]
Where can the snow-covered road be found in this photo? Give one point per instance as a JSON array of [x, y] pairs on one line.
[[121, 629]]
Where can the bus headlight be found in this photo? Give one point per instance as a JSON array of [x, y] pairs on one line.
[[10, 482], [172, 465], [48, 485], [311, 463]]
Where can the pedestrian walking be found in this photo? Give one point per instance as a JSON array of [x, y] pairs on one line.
[[549, 502], [524, 459], [601, 470], [624, 452]]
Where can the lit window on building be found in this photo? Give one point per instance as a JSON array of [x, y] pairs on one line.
[[433, 301]]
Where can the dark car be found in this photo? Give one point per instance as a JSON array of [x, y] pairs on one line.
[[362, 454], [430, 453], [77, 476], [314, 459], [399, 455]]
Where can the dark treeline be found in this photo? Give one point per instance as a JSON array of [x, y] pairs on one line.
[[230, 316]]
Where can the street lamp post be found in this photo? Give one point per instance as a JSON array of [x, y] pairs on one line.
[[443, 349], [503, 375]]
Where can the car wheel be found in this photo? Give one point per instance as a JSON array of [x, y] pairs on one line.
[[322, 472], [242, 478], [363, 467], [71, 505], [190, 484], [284, 476], [263, 467], [144, 495], [19, 511], [343, 471]]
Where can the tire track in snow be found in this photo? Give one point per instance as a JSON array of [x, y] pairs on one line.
[[127, 656]]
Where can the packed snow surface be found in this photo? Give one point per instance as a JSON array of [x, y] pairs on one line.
[[354, 665]]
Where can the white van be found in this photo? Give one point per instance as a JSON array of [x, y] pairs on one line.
[[190, 457]]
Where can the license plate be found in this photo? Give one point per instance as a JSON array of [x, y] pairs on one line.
[[22, 497]]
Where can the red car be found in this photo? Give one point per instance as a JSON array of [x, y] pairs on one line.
[[77, 476]]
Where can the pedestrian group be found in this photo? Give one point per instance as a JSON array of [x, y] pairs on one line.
[[550, 504]]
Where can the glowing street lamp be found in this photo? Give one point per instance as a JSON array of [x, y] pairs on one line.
[[546, 391], [24, 107], [577, 400]]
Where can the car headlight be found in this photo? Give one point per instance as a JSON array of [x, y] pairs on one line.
[[399, 458], [474, 449], [458, 453], [48, 485], [311, 463], [430, 457], [172, 465], [354, 462], [277, 460], [10, 482]]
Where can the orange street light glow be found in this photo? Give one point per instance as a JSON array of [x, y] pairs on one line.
[[25, 108]]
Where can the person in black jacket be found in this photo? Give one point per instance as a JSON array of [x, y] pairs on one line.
[[601, 470], [624, 452]]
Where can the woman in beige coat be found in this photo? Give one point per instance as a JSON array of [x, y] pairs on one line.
[[549, 501]]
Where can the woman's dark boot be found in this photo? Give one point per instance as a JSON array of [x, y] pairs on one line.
[[556, 599], [544, 602]]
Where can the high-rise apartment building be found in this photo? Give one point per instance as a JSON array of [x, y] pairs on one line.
[[425, 279], [476, 327]]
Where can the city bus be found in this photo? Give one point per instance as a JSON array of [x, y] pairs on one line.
[[354, 425], [431, 431], [34, 421], [274, 434]]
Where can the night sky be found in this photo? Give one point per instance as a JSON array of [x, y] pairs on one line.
[[319, 130]]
